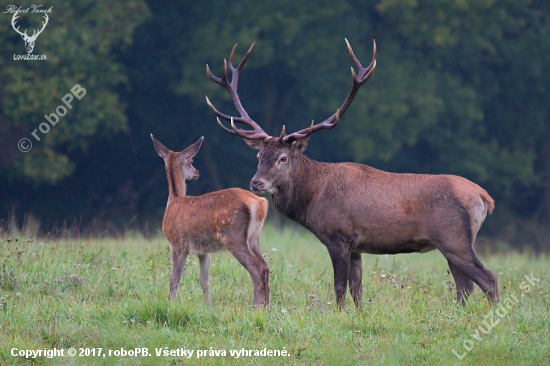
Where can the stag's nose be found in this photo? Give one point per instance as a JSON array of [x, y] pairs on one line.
[[256, 185]]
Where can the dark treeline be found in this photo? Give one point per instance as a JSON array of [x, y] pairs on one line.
[[461, 87]]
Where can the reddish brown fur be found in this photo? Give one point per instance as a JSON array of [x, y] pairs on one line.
[[228, 219], [354, 209]]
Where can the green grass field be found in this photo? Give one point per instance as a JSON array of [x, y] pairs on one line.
[[111, 294]]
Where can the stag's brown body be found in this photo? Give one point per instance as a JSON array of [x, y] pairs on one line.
[[354, 208], [382, 213], [230, 219]]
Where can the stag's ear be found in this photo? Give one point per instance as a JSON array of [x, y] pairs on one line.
[[255, 144], [160, 148], [192, 150], [300, 145]]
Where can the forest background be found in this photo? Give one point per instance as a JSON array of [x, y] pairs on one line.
[[461, 87]]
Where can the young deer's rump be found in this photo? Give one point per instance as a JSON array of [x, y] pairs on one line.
[[230, 219]]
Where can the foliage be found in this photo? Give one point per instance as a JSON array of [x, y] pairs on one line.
[[78, 41], [502, 127]]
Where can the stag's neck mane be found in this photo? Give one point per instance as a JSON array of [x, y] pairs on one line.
[[295, 194]]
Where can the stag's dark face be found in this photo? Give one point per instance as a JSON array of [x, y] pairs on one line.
[[276, 161]]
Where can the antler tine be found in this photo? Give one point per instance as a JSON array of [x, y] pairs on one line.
[[225, 128], [251, 135], [243, 61], [359, 79], [231, 87], [364, 73]]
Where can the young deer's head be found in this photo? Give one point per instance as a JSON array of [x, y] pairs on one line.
[[179, 165]]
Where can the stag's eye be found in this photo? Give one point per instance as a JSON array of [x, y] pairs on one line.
[[283, 159]]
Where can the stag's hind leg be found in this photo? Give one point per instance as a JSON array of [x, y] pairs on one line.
[[464, 286], [204, 261], [468, 263]]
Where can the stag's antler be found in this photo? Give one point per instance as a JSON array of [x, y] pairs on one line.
[[358, 79], [256, 133]]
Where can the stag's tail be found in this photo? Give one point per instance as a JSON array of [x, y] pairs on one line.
[[489, 201]]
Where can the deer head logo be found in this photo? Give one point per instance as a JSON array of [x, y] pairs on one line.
[[29, 40]]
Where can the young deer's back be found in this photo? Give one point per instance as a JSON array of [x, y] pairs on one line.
[[203, 222]]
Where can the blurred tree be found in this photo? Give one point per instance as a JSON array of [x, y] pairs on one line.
[[495, 129], [78, 41], [460, 88]]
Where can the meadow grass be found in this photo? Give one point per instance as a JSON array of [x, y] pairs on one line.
[[112, 294]]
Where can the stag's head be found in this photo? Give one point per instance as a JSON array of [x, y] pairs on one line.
[[278, 156], [276, 160], [29, 40]]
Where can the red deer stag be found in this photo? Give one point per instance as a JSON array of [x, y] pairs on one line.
[[354, 208], [229, 219]]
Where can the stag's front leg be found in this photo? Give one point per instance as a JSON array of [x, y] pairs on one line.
[[355, 279], [340, 258]]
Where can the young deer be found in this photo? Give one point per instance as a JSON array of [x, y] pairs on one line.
[[228, 219]]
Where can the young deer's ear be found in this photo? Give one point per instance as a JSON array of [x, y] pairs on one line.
[[192, 150], [160, 148], [255, 144]]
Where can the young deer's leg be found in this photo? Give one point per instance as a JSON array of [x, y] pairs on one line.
[[204, 261], [250, 263], [178, 262], [263, 268], [355, 279]]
